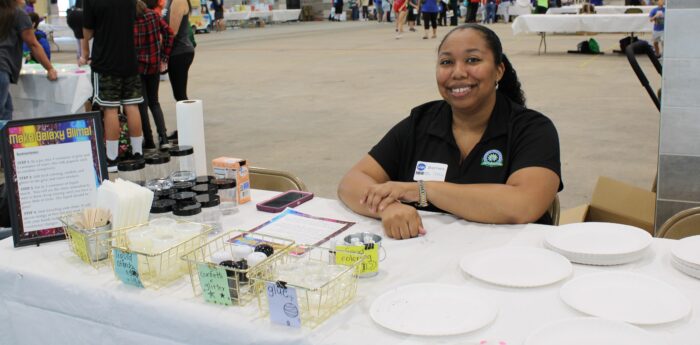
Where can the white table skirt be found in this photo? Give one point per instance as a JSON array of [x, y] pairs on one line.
[[574, 9], [35, 96], [571, 23], [47, 296], [285, 15]]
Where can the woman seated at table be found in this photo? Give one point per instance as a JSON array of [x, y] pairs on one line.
[[479, 154]]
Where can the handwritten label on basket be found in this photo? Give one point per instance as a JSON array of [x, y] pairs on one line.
[[348, 255], [77, 240], [214, 284], [126, 266], [284, 307]]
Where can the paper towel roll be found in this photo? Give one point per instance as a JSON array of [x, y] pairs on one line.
[[190, 131]]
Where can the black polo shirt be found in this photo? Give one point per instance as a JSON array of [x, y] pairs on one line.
[[515, 138]]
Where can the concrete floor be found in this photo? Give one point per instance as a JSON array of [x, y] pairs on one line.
[[313, 98]]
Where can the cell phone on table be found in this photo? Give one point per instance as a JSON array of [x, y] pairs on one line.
[[290, 198]]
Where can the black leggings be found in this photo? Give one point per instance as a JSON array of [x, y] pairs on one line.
[[178, 67], [429, 19], [149, 87]]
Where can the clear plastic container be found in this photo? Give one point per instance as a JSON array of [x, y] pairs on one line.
[[133, 170], [161, 209], [165, 193], [211, 214], [182, 166], [157, 166], [227, 194], [190, 213]]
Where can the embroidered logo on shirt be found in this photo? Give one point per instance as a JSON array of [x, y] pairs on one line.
[[492, 159]]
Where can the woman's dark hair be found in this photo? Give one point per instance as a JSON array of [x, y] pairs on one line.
[[509, 84], [7, 17]]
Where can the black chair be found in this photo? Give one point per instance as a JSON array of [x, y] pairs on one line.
[[5, 233]]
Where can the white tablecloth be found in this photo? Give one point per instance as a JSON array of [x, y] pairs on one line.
[[47, 296], [247, 15], [573, 9], [571, 23], [285, 15], [35, 96]]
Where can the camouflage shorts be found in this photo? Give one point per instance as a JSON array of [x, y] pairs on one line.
[[112, 91]]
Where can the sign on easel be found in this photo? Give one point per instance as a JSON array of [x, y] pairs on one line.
[[53, 166]]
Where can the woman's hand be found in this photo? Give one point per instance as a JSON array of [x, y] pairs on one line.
[[378, 196], [401, 221]]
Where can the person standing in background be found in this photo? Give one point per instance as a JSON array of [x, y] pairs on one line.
[[472, 8], [454, 7], [400, 10], [542, 6], [177, 14], [412, 14], [429, 8], [657, 16], [40, 37], [15, 28], [218, 7], [153, 40], [116, 80], [74, 19], [379, 10], [365, 10]]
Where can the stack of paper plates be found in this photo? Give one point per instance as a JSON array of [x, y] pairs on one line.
[[686, 256], [600, 244]]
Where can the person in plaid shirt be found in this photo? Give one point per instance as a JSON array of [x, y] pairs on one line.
[[153, 40]]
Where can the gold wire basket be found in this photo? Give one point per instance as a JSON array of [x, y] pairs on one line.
[[153, 268], [92, 246], [226, 285], [318, 296]]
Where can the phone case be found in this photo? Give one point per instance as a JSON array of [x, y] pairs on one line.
[[262, 207]]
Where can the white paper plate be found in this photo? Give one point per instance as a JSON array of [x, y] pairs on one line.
[[432, 310], [625, 296], [589, 331], [517, 266], [688, 270], [688, 251], [599, 243]]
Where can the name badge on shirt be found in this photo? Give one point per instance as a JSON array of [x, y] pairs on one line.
[[428, 171]]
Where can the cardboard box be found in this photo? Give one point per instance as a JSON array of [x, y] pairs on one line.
[[236, 169], [615, 202]]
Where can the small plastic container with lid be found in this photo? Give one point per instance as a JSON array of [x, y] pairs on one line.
[[162, 209], [165, 193], [211, 214], [205, 189], [184, 198], [185, 186], [182, 166], [204, 179], [190, 213], [133, 170], [157, 166], [227, 194]]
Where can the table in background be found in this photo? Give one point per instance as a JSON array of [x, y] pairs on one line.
[[574, 9], [35, 96], [48, 296], [573, 23], [285, 15]]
